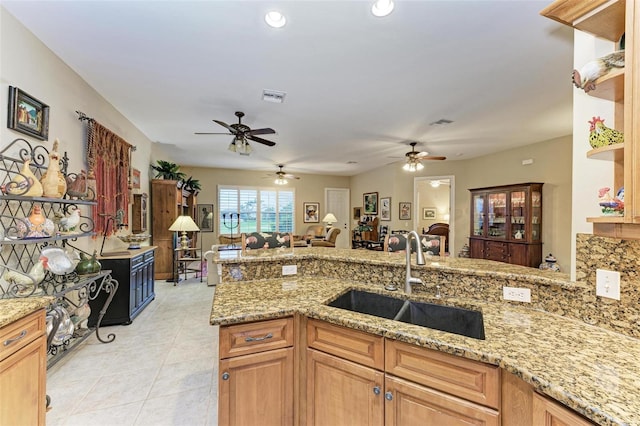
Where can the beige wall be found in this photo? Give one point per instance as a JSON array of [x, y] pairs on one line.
[[309, 188], [28, 64], [552, 166]]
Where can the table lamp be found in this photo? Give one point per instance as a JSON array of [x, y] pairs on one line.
[[329, 218], [184, 224]]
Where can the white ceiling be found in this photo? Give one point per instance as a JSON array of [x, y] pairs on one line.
[[359, 88]]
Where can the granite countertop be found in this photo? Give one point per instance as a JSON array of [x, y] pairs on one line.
[[463, 266], [126, 254], [590, 369], [13, 309]]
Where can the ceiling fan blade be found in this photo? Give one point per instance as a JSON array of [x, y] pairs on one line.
[[206, 133], [421, 154], [288, 176], [265, 131], [225, 125], [260, 140], [433, 157]]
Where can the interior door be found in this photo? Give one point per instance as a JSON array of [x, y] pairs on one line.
[[337, 202]]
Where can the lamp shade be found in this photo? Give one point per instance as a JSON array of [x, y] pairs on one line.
[[329, 218], [184, 223]]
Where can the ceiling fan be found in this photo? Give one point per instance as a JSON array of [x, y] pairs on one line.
[[281, 176], [242, 134], [413, 158]]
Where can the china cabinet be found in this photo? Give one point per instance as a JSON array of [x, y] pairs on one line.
[[609, 20], [506, 224], [19, 253]]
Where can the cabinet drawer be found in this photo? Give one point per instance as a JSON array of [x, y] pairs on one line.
[[20, 333], [497, 251], [356, 346], [471, 380], [243, 339]]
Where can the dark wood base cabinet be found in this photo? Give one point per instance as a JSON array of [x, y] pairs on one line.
[[135, 290], [516, 253]]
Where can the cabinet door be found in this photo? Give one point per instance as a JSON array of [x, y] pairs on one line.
[[257, 389], [518, 214], [22, 385], [550, 413], [408, 404], [476, 248], [341, 392], [478, 226], [497, 214]]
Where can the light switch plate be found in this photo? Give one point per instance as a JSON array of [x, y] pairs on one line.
[[289, 269], [608, 284]]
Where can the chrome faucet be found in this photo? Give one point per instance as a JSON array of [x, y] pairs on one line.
[[419, 260]]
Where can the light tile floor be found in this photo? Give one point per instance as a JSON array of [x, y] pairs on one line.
[[160, 370]]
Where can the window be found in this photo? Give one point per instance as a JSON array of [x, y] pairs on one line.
[[244, 209]]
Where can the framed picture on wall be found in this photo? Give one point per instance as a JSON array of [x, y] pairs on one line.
[[135, 179], [27, 114], [370, 200], [205, 217], [357, 213], [429, 213], [405, 210], [311, 212], [385, 208]]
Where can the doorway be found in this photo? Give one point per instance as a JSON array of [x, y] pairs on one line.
[[434, 198], [337, 202]]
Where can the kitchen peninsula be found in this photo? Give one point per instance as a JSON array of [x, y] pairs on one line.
[[566, 359]]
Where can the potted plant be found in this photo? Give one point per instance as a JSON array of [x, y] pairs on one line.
[[191, 184], [168, 171]]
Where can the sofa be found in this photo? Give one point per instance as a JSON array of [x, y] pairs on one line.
[[431, 244], [329, 240], [266, 240], [313, 231]]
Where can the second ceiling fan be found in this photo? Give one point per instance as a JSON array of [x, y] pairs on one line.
[[242, 134]]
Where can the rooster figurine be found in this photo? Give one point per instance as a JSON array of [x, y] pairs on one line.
[[586, 78], [611, 206], [69, 223], [601, 135], [30, 279]]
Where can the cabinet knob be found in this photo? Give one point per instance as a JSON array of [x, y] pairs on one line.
[[388, 396], [376, 390], [225, 376]]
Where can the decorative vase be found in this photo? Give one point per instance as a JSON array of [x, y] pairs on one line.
[[54, 184], [550, 264], [88, 265], [25, 183], [35, 226]]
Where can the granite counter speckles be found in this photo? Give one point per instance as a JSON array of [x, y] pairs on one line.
[[13, 309], [590, 369]]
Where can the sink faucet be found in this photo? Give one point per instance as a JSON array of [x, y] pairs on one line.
[[419, 260]]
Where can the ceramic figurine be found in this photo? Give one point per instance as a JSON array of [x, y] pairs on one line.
[[586, 78], [54, 184], [601, 135], [611, 206], [25, 183], [35, 226]]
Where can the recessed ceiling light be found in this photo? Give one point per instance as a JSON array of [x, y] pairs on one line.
[[275, 19], [382, 7]]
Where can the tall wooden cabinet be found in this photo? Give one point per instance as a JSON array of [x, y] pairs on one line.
[[610, 19], [168, 201], [506, 224]]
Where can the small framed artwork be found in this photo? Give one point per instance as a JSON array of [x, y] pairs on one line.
[[405, 210], [27, 114], [428, 213], [370, 200], [135, 179], [205, 217], [357, 213], [311, 212], [385, 208]]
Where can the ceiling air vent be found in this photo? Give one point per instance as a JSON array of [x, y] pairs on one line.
[[273, 96]]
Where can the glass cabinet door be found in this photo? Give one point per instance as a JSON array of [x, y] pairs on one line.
[[518, 214], [478, 215], [536, 215], [497, 214]]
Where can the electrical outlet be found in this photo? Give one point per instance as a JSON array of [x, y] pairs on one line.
[[608, 284], [516, 294], [289, 269]]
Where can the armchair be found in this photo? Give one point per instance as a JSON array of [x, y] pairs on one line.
[[329, 240], [313, 231]]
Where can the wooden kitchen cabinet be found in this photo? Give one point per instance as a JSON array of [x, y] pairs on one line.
[[23, 371], [256, 373], [135, 291], [506, 224], [550, 413]]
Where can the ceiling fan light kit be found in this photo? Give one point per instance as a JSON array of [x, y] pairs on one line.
[[413, 163]]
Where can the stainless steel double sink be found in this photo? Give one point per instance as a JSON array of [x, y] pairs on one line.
[[451, 319]]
